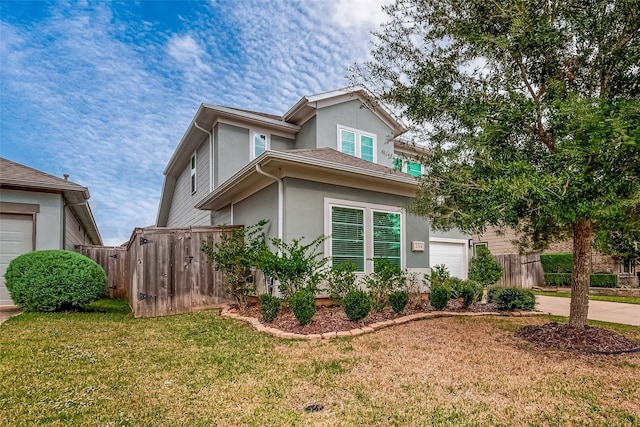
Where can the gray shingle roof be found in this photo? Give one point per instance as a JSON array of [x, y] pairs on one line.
[[16, 174], [331, 155]]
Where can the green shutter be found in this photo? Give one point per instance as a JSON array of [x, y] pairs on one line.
[[347, 236], [386, 237]]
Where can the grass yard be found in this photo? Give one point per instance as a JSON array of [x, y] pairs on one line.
[[109, 369], [610, 298]]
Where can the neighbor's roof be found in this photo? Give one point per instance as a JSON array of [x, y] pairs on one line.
[[17, 176]]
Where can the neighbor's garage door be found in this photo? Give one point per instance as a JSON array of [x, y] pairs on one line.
[[452, 254], [16, 237]]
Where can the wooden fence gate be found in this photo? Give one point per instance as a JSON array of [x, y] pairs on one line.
[[115, 264], [520, 271], [166, 270]]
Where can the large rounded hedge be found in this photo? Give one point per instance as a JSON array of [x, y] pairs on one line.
[[54, 280]]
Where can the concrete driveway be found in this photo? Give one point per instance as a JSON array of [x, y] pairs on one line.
[[8, 311], [615, 312]]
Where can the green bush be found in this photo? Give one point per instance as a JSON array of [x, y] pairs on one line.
[[438, 275], [493, 292], [303, 305], [603, 280], [356, 305], [439, 296], [557, 279], [53, 280], [269, 307], [386, 278], [398, 300], [341, 280], [511, 299], [484, 269], [557, 263]]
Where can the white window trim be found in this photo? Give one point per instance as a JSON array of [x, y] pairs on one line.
[[369, 208], [252, 142], [358, 143], [193, 177]]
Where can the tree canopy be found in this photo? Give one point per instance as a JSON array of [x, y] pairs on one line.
[[530, 111]]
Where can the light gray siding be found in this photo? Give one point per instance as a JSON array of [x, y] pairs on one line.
[[261, 205], [354, 114], [74, 234], [306, 138], [304, 213], [182, 212], [232, 148], [49, 227]]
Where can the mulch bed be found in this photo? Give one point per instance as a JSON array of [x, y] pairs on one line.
[[333, 318], [589, 339]]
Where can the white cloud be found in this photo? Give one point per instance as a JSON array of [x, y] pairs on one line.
[[186, 51], [359, 14]]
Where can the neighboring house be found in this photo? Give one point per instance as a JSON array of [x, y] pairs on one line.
[[40, 211], [500, 243], [324, 167]]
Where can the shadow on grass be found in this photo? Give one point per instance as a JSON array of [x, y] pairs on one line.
[[112, 306]]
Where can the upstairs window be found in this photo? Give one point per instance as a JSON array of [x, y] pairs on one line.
[[259, 144], [407, 166], [357, 143], [193, 174], [414, 168]]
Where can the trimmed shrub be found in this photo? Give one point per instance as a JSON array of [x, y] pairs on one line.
[[303, 305], [269, 307], [386, 278], [557, 279], [54, 280], [603, 280], [340, 280], [398, 300], [493, 292], [439, 296], [511, 299], [484, 269], [356, 305], [557, 263]]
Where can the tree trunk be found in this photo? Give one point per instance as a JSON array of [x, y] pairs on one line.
[[581, 274]]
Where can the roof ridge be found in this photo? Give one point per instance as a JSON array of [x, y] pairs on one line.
[[6, 162]]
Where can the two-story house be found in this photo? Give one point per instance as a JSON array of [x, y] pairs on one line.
[[325, 167]]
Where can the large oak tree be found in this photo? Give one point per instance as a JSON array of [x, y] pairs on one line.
[[530, 111]]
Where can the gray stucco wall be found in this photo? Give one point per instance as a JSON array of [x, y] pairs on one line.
[[280, 143], [261, 205], [231, 149], [221, 216], [49, 232], [354, 115], [306, 138], [304, 214]]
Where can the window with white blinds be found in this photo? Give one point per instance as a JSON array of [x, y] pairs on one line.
[[362, 233]]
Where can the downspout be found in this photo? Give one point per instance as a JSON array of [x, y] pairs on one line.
[[280, 200], [210, 154]]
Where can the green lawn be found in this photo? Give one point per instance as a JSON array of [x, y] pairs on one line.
[[627, 300], [109, 369]]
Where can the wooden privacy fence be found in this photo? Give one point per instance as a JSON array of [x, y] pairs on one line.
[[520, 271], [115, 264], [167, 271]]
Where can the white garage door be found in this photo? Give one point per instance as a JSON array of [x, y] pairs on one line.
[[16, 238], [452, 254]]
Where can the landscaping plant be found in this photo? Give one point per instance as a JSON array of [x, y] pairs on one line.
[[387, 277], [340, 280], [511, 299], [54, 280], [398, 300], [294, 265], [356, 305], [237, 252], [466, 290], [484, 269], [439, 296], [303, 305], [269, 307]]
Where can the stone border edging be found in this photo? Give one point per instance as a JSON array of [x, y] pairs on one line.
[[260, 327]]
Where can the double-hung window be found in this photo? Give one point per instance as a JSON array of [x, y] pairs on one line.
[[193, 174], [361, 233], [259, 144], [408, 167], [357, 143]]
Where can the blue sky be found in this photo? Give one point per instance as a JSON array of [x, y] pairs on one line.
[[104, 91]]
